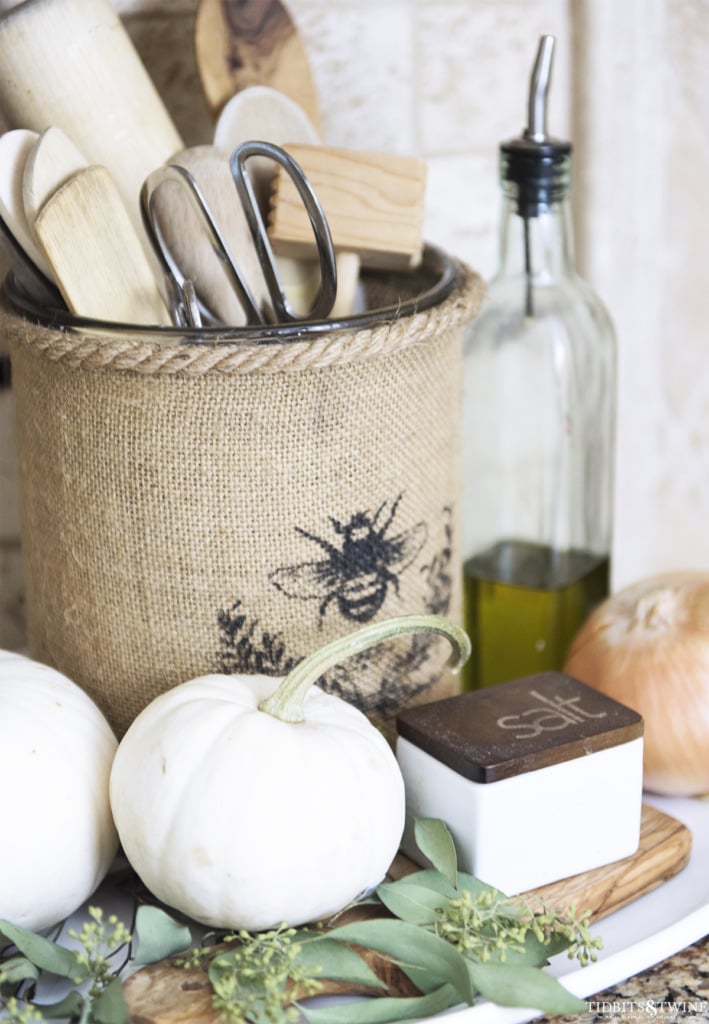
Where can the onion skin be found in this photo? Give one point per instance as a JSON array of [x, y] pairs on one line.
[[648, 648]]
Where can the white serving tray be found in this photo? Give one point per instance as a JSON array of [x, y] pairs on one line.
[[656, 926]]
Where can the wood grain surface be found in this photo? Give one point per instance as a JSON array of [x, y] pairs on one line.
[[374, 204], [165, 994], [239, 43], [95, 254]]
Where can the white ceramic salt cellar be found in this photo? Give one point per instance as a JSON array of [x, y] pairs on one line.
[[537, 779]]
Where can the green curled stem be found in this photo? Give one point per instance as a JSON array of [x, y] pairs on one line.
[[287, 701]]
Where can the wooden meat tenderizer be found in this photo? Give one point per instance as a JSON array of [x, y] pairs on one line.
[[374, 204]]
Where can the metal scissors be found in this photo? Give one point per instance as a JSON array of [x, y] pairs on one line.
[[188, 309]]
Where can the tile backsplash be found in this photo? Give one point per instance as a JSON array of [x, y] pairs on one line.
[[447, 80]]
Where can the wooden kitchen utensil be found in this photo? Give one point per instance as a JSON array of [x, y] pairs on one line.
[[165, 994], [240, 43], [374, 203], [51, 161], [71, 63], [96, 256], [15, 147]]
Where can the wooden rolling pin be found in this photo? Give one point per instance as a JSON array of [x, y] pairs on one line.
[[71, 64], [374, 204]]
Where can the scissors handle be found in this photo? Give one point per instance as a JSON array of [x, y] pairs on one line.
[[327, 291], [177, 283]]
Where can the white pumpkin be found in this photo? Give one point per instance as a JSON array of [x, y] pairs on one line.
[[58, 837], [248, 801]]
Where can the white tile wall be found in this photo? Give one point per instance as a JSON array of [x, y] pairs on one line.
[[643, 101], [447, 80]]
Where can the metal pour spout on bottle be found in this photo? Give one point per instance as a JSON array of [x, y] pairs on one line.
[[538, 421], [536, 132]]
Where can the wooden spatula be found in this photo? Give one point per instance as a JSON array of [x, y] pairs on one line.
[[51, 161], [240, 43], [95, 253]]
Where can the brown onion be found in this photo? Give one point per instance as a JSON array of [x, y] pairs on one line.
[[648, 647]]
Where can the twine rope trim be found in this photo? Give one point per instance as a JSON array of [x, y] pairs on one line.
[[153, 358]]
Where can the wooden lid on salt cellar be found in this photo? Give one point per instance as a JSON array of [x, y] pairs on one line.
[[519, 726]]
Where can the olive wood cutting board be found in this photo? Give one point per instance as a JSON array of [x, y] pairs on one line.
[[165, 994]]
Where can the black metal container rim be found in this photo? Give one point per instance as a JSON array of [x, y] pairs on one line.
[[445, 268]]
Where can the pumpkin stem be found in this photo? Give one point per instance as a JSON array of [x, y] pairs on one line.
[[287, 701]]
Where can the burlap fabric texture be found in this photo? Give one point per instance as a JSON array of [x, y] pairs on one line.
[[190, 508]]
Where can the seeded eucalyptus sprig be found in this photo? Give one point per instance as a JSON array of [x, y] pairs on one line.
[[252, 974], [457, 938], [98, 995], [454, 937]]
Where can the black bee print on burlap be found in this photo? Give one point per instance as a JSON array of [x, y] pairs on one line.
[[363, 561], [245, 646]]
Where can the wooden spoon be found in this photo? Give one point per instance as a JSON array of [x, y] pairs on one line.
[[15, 147], [239, 43], [95, 253]]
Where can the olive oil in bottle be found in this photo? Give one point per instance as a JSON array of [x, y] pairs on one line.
[[538, 422], [524, 603]]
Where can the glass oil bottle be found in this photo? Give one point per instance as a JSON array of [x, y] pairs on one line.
[[538, 422]]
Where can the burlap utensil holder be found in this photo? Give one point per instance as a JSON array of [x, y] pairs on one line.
[[231, 504]]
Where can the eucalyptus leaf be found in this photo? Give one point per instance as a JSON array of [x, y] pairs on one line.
[[416, 904], [429, 878], [159, 936], [524, 986], [384, 1009], [110, 1006], [424, 981], [46, 955], [17, 969], [408, 944], [435, 842], [336, 962], [70, 1007]]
